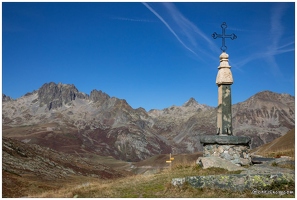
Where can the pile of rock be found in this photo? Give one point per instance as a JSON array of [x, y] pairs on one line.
[[232, 148]]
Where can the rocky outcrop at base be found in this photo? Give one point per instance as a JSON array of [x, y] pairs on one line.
[[235, 182], [256, 177]]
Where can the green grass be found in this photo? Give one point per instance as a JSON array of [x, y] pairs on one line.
[[289, 166], [158, 186]]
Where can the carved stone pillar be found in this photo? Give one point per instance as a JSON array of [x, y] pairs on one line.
[[225, 145], [224, 81]]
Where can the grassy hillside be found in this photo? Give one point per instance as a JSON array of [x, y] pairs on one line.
[[153, 177], [153, 186], [282, 146]]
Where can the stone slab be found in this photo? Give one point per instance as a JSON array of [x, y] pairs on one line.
[[270, 166], [217, 139], [207, 162], [234, 182]]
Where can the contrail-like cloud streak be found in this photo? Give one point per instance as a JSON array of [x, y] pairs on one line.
[[274, 48], [187, 33], [170, 29], [131, 19], [192, 32], [278, 30]]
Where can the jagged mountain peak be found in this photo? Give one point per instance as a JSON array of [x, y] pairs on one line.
[[268, 99], [96, 96], [6, 98], [272, 96], [55, 95], [191, 103], [60, 86], [110, 126]]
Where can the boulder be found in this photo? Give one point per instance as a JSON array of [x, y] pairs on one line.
[[207, 162]]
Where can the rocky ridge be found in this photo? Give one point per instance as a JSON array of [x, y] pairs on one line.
[[60, 117], [264, 117], [6, 98]]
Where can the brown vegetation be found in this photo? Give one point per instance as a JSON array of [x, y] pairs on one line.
[[151, 183], [27, 168], [282, 146], [156, 186]]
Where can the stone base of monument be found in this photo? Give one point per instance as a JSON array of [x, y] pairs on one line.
[[232, 148]]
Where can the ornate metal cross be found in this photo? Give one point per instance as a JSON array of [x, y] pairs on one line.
[[223, 36]]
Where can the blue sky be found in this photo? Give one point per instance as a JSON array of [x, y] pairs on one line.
[[154, 55]]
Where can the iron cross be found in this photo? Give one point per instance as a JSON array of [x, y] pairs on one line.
[[223, 36]]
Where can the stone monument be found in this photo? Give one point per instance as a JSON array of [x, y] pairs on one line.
[[224, 144]]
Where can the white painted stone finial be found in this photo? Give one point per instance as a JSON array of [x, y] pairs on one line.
[[224, 74]]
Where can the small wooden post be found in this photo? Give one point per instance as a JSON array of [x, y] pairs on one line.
[[170, 160]]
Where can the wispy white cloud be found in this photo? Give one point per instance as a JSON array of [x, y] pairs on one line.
[[276, 26], [288, 44], [131, 19], [275, 44], [278, 29], [268, 55], [204, 48], [241, 30], [187, 34], [167, 25], [189, 29]]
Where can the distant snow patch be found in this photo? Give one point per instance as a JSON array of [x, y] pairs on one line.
[[26, 140]]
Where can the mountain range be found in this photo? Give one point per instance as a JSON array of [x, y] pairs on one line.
[[60, 117]]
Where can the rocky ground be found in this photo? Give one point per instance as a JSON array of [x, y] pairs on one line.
[[28, 167], [264, 165], [263, 175]]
